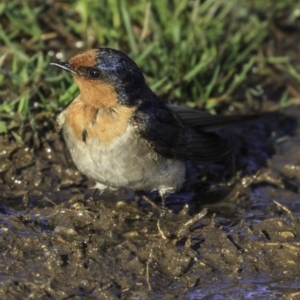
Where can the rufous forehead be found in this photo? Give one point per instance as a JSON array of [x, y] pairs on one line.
[[86, 58]]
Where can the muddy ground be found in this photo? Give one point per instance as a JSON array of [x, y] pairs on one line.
[[57, 245]]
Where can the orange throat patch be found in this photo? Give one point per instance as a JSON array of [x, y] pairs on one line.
[[100, 123], [96, 93]]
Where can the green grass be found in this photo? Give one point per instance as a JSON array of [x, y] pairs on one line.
[[201, 53]]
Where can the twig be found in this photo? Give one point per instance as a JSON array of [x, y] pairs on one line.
[[145, 198], [290, 214], [186, 226], [149, 260], [160, 231]]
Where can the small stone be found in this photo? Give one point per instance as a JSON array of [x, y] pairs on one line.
[[287, 234]]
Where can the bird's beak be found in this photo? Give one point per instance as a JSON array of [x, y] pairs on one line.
[[63, 65]]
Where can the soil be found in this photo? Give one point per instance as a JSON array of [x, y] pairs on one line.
[[233, 232]]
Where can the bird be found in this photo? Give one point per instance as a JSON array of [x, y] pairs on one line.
[[122, 135]]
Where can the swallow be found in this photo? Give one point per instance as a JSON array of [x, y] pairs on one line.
[[120, 134]]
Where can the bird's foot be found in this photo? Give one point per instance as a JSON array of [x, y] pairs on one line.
[[92, 199], [163, 211]]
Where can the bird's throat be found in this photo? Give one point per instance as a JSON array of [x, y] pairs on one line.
[[104, 124], [96, 93]]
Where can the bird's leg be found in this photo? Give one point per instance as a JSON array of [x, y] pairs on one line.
[[91, 198], [163, 196], [98, 187]]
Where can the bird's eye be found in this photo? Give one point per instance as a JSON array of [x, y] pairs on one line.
[[94, 73]]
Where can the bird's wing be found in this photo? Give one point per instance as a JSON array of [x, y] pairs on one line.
[[172, 138], [204, 121], [200, 146]]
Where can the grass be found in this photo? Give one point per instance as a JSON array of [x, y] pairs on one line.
[[201, 53]]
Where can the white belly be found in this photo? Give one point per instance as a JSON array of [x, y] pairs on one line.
[[127, 162]]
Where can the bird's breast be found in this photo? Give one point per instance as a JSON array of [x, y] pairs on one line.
[[107, 148], [104, 125]]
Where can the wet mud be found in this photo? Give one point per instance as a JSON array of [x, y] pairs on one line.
[[233, 232]]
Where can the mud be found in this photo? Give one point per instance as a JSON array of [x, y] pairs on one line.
[[56, 244]]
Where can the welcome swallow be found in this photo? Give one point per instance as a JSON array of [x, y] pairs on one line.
[[120, 134]]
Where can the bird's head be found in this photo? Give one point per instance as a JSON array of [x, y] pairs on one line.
[[106, 77]]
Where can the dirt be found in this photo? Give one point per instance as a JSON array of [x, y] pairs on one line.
[[57, 244]]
